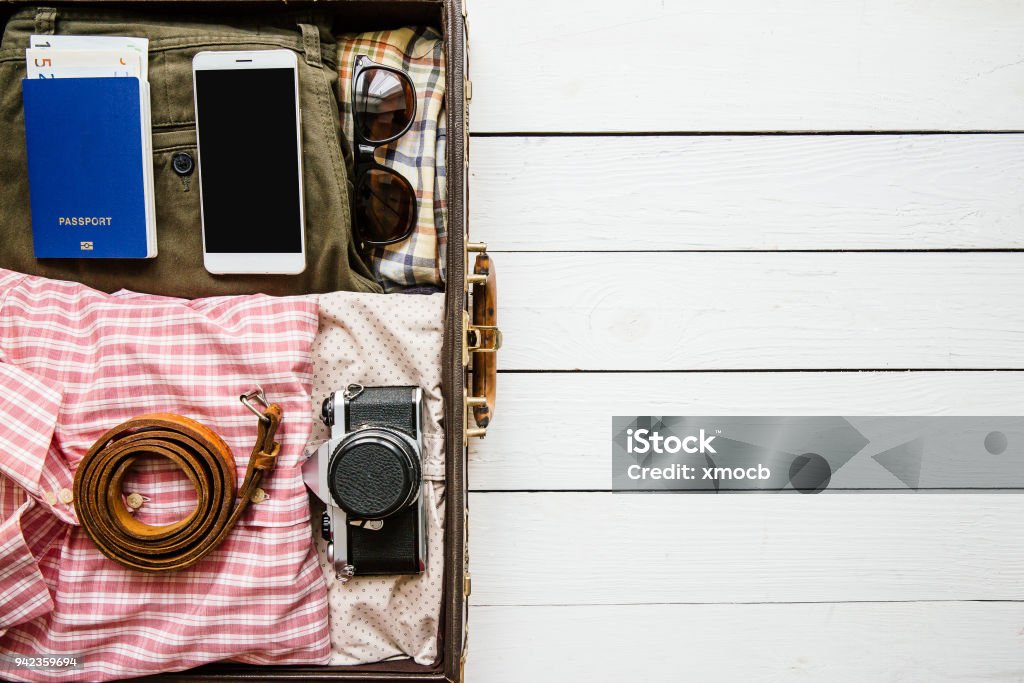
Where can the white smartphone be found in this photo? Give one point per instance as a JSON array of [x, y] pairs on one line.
[[248, 124]]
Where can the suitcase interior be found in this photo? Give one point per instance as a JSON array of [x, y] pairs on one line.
[[364, 15]]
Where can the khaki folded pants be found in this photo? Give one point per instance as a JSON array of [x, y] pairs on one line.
[[332, 262]]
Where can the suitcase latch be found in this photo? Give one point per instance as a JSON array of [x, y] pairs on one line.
[[477, 342]]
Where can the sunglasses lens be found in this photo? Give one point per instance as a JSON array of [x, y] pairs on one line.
[[385, 205], [384, 103]]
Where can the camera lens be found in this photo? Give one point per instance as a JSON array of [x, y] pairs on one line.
[[374, 473]]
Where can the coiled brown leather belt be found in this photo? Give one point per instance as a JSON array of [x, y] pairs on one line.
[[204, 458]]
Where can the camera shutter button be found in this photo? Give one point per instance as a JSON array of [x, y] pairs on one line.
[[182, 163]]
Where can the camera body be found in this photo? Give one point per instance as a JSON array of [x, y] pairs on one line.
[[369, 476]]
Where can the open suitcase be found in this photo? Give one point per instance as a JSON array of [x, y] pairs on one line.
[[471, 336]]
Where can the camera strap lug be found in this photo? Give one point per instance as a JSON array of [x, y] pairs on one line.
[[342, 571], [352, 391]]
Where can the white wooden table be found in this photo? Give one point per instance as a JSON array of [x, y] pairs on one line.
[[739, 206]]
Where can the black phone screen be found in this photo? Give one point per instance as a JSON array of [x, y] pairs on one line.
[[249, 160]]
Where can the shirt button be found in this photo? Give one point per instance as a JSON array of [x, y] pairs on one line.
[[66, 496], [182, 163], [134, 501], [258, 496], [50, 497]]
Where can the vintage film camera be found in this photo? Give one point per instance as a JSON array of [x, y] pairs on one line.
[[368, 473]]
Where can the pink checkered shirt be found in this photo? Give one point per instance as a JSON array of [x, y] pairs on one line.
[[75, 362]]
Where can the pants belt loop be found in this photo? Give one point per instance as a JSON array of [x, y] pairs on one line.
[[311, 44], [46, 20]]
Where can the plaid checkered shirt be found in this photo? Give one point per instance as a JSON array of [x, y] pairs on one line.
[[75, 362], [419, 155]]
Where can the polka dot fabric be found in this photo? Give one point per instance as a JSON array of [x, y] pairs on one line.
[[385, 339]]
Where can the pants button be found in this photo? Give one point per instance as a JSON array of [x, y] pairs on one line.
[[182, 163]]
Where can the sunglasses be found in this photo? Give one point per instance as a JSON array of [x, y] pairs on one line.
[[383, 109]]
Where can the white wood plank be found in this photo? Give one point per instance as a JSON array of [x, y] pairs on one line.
[[551, 430], [749, 192], [680, 311], [743, 65], [845, 643], [606, 548]]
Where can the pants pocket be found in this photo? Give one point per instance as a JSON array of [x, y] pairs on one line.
[[176, 184], [332, 261]]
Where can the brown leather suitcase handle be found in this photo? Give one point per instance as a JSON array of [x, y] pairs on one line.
[[483, 339], [204, 458]]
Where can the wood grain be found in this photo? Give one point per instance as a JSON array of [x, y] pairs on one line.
[[553, 430], [603, 587], [682, 311], [844, 643], [605, 548], [703, 65], [749, 192]]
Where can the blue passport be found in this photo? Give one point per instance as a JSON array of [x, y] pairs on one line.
[[88, 186]]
